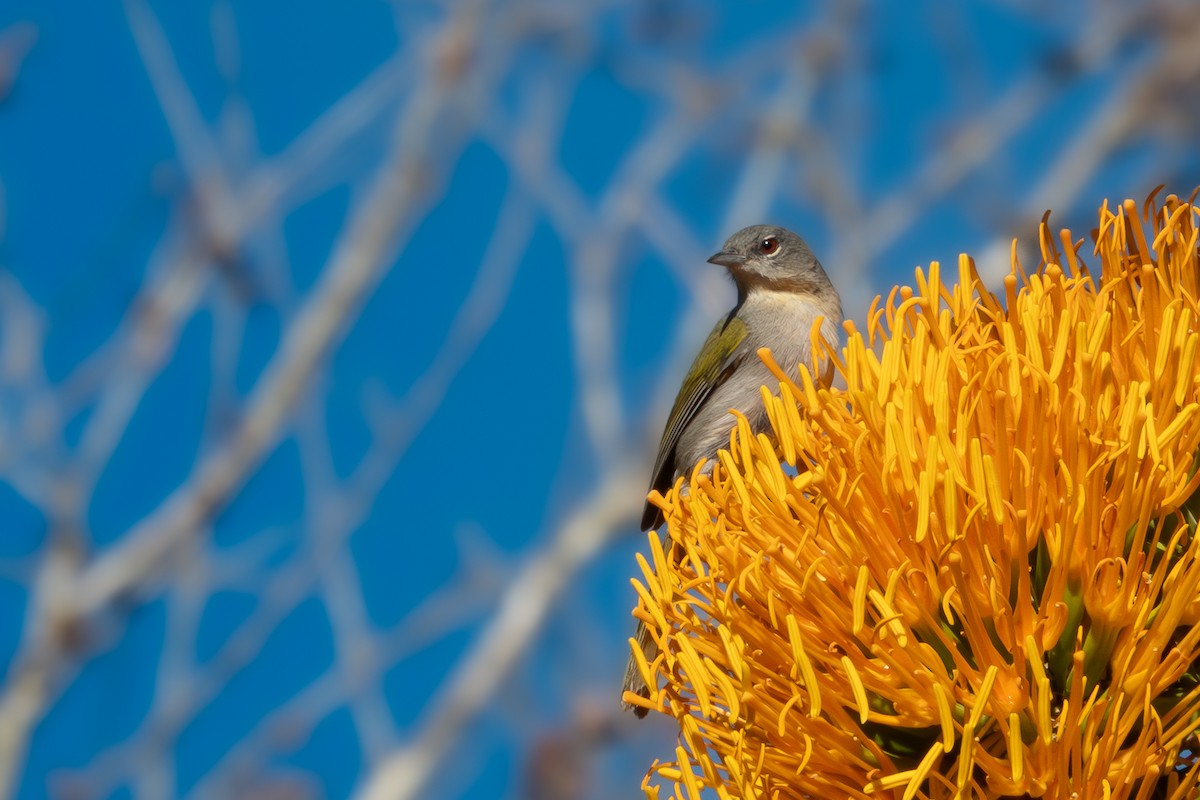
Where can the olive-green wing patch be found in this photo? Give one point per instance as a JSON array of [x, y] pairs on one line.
[[718, 359]]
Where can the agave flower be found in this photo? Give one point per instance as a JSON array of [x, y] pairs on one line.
[[972, 572]]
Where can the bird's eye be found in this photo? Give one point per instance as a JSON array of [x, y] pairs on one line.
[[768, 246]]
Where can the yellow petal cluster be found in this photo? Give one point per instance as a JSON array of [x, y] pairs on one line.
[[973, 571]]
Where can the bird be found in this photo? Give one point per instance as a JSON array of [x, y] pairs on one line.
[[781, 292]]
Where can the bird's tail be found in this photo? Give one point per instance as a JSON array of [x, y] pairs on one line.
[[633, 676]]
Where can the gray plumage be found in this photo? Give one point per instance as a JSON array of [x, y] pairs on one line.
[[781, 291]]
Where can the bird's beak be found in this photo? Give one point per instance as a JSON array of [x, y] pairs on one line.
[[727, 258]]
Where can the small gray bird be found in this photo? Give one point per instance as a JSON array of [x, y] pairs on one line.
[[781, 290]]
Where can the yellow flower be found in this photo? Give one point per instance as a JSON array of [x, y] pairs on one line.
[[973, 572]]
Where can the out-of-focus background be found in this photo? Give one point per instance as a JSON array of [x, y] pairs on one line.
[[335, 339]]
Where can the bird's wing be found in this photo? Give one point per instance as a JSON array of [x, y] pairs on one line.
[[718, 359]]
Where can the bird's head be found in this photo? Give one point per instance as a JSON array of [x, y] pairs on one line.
[[771, 257]]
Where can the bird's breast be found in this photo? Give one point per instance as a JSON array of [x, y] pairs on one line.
[[779, 321], [783, 322]]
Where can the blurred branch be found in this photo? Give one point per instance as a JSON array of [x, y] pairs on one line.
[[372, 236], [1118, 118], [615, 502], [371, 239], [16, 42], [194, 146]]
